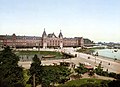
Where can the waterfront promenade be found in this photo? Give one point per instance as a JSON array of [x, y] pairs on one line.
[[107, 64]]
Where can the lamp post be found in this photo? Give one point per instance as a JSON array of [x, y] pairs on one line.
[[39, 47], [95, 57], [95, 60]]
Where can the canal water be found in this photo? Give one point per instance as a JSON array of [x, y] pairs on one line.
[[29, 57], [110, 53]]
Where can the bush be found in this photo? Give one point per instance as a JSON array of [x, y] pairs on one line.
[[104, 83], [81, 69], [114, 83], [112, 74], [105, 73], [91, 73], [117, 76]]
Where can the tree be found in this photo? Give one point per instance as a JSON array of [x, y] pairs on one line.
[[35, 71], [47, 75], [64, 73], [81, 69], [11, 75], [54, 74], [99, 69]]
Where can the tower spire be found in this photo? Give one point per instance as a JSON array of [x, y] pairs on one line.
[[44, 34], [60, 35]]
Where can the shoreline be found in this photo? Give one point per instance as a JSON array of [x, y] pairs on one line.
[[108, 58]]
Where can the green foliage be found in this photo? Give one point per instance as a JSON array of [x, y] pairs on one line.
[[26, 77], [91, 72], [47, 75], [36, 69], [82, 83], [89, 85], [114, 83], [11, 75], [114, 75], [28, 85], [104, 83], [117, 76], [54, 74], [81, 69], [36, 60], [111, 74], [105, 73], [8, 57], [99, 69], [86, 83], [63, 74]]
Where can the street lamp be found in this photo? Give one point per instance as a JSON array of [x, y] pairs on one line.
[[39, 47], [95, 56], [95, 60]]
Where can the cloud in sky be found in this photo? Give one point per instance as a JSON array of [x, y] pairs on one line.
[[98, 20]]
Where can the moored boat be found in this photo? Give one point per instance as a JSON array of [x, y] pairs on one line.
[[48, 56]]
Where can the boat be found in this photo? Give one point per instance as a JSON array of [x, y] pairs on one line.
[[115, 50], [48, 56]]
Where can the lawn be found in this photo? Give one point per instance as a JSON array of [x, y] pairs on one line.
[[26, 78], [77, 83]]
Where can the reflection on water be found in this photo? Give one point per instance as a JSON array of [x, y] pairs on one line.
[[29, 57], [112, 53]]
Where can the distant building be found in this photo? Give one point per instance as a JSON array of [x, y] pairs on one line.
[[88, 42], [46, 41]]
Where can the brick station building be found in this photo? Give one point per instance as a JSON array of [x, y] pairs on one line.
[[46, 41]]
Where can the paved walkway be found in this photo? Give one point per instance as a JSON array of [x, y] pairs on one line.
[[93, 61]]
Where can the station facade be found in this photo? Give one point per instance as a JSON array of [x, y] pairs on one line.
[[46, 41]]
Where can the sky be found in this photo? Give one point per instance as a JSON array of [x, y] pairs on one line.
[[98, 20]]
